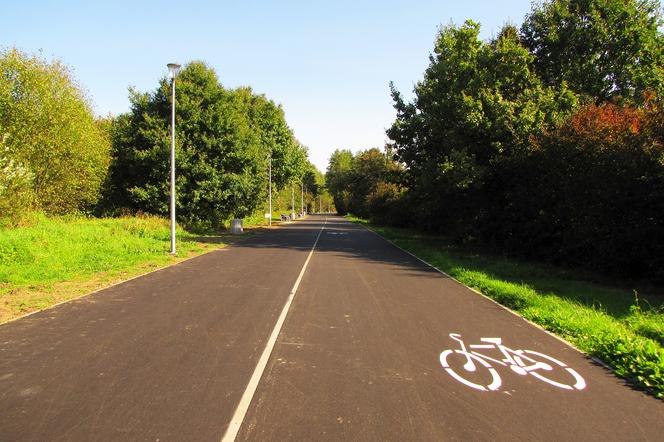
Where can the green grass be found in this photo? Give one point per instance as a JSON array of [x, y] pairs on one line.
[[604, 319], [56, 259]]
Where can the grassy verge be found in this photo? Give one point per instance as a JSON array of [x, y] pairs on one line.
[[57, 259], [616, 325]]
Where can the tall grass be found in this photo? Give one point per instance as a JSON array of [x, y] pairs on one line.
[[36, 260]]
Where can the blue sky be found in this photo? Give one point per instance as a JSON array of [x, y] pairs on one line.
[[328, 63]]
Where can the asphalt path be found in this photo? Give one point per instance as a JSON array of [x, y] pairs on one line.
[[169, 356]]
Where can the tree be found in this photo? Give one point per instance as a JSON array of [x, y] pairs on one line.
[[602, 48], [15, 187], [369, 168], [49, 132], [365, 184], [289, 157], [337, 178], [224, 142], [478, 104], [591, 193]]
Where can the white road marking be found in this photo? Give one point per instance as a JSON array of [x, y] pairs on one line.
[[522, 362], [245, 401]]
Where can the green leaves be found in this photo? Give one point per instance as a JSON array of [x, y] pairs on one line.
[[364, 183], [338, 178], [477, 106], [605, 49], [501, 146], [49, 136], [224, 139]]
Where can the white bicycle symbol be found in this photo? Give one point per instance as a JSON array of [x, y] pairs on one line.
[[522, 362]]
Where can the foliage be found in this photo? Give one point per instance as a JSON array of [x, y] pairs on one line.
[[15, 188], [336, 177], [224, 140], [497, 155], [315, 196], [51, 142], [315, 190], [477, 106], [601, 48], [365, 183], [591, 193]]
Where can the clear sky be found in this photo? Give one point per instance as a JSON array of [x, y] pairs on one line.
[[328, 63]]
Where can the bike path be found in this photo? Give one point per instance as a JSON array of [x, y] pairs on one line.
[[161, 357], [358, 359]]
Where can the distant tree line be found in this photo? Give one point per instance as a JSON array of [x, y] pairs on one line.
[[56, 157], [545, 142], [311, 190], [366, 184]]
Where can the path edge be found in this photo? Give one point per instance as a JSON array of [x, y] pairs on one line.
[[562, 340], [115, 284]]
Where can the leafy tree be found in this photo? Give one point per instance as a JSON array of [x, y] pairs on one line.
[[225, 139], [591, 193], [15, 188], [316, 192], [478, 104], [289, 157], [493, 153], [369, 168], [337, 178], [49, 135], [365, 184], [601, 48]]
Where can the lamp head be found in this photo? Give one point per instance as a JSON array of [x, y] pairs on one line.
[[173, 69]]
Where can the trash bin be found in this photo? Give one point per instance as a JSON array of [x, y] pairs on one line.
[[236, 226]]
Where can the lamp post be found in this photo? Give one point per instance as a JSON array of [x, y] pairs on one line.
[[270, 191], [292, 196], [173, 69], [302, 198]]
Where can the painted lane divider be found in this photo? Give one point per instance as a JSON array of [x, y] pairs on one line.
[[248, 395]]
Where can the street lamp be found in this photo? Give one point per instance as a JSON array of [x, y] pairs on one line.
[[173, 70], [270, 192]]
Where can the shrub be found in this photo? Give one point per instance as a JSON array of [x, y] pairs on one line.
[[49, 134], [591, 193], [15, 188]]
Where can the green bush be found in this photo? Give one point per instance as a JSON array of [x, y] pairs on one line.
[[56, 154], [15, 188], [591, 193]]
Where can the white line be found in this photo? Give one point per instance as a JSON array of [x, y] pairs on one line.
[[245, 401]]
